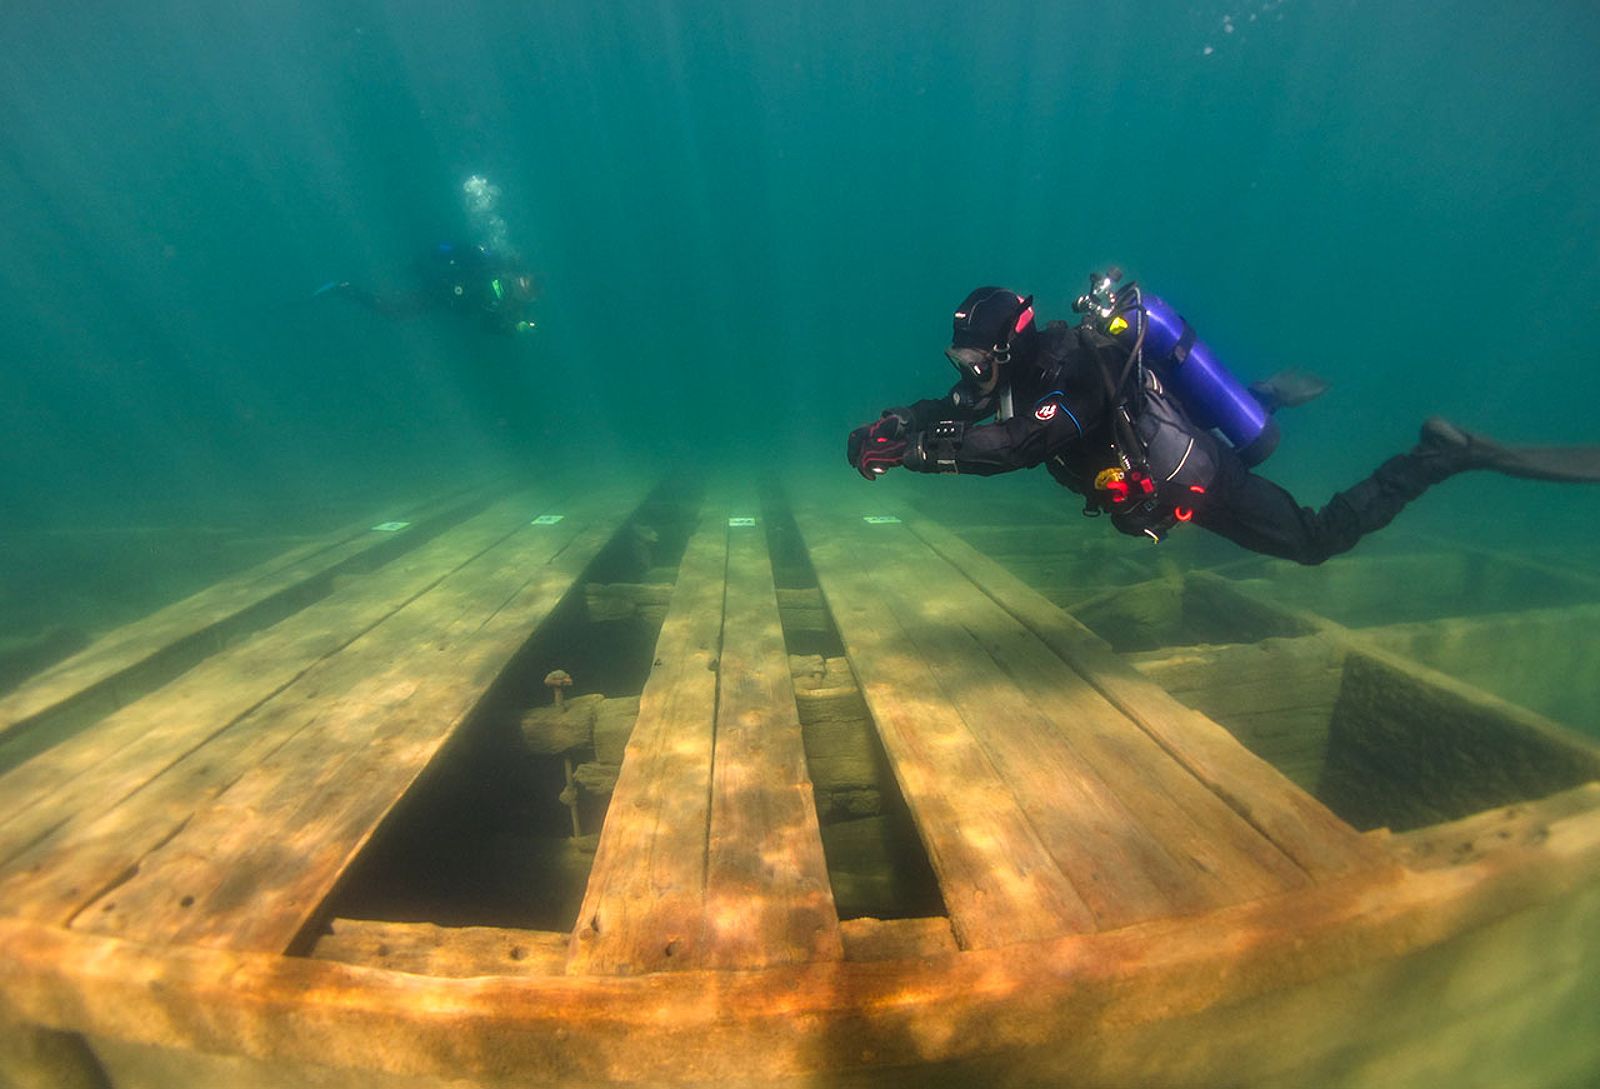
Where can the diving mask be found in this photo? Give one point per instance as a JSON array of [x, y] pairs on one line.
[[979, 366]]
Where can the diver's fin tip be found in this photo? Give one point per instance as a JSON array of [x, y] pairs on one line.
[[1565, 464]]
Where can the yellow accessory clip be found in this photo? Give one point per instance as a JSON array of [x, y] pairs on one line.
[[1106, 477], [1118, 325]]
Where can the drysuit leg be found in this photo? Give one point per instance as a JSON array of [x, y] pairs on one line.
[[1253, 512]]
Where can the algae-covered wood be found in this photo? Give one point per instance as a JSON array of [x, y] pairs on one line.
[[1289, 951], [998, 880], [1135, 834], [220, 608], [211, 707], [1299, 825], [644, 904], [232, 829], [249, 870], [1300, 989], [768, 899], [710, 855]]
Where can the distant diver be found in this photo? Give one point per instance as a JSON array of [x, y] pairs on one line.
[[474, 281], [485, 280], [1130, 410]]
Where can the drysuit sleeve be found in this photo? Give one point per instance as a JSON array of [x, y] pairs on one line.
[[1025, 440], [963, 403]]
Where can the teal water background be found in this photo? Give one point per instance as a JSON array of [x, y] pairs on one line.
[[753, 220]]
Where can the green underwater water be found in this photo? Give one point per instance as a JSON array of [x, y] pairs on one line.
[[751, 222]]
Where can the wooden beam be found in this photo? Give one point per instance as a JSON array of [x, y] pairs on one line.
[[897, 939], [1148, 820], [39, 1058], [1134, 832], [1299, 825], [1544, 659], [998, 880], [1335, 953], [1276, 696], [249, 870], [768, 900], [448, 952], [643, 909], [142, 655], [95, 770]]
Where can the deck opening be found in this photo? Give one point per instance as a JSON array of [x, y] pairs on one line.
[[502, 830], [1384, 724], [1439, 583], [876, 862], [1169, 611]]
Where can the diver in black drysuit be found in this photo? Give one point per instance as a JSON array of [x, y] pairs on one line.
[[473, 281], [1054, 406]]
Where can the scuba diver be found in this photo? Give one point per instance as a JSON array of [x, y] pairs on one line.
[[1134, 413], [474, 281]]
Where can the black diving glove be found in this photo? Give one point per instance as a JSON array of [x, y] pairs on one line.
[[873, 449]]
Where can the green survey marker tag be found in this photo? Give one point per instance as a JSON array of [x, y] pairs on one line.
[[390, 527], [547, 519], [880, 519], [741, 521]]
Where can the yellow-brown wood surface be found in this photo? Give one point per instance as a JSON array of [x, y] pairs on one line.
[[710, 855], [1327, 967], [259, 767], [210, 708], [997, 878], [1296, 823], [1136, 835], [137, 643], [768, 900], [644, 905], [249, 869]]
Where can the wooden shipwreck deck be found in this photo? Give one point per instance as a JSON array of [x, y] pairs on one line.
[[1154, 799]]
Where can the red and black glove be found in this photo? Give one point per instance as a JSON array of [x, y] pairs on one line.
[[877, 447]]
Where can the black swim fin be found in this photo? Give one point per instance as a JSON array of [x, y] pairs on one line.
[[1288, 389], [1460, 450]]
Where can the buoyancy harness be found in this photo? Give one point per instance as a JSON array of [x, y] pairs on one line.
[[1163, 460]]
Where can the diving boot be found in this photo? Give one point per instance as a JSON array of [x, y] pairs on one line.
[[1447, 449]]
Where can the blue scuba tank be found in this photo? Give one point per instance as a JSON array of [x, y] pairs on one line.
[[1211, 396]]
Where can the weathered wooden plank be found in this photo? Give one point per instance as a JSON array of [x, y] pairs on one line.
[[1297, 823], [1135, 832], [1283, 718], [897, 939], [843, 755], [999, 883], [1547, 660], [112, 660], [449, 952], [1409, 745], [1225, 682], [644, 906], [1468, 840], [768, 900], [181, 746], [250, 869], [122, 752], [1177, 982]]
